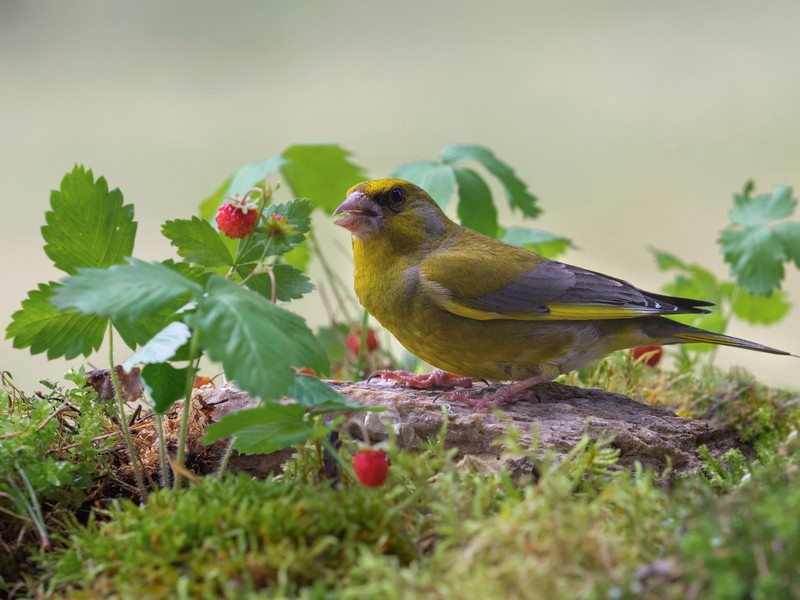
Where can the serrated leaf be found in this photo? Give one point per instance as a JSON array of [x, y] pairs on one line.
[[165, 385], [253, 175], [312, 392], [542, 242], [753, 212], [257, 342], [128, 291], [332, 339], [296, 214], [162, 347], [433, 177], [755, 257], [320, 172], [475, 209], [264, 429], [197, 242], [209, 205], [87, 226], [516, 190], [760, 310], [40, 327], [789, 235], [290, 283]]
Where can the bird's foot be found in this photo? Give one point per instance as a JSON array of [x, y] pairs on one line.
[[436, 378], [513, 392]]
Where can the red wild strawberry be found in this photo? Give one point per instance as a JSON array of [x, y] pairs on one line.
[[371, 467], [236, 219], [306, 372], [649, 355], [354, 341]]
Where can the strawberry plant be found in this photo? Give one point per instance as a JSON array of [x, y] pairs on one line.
[[220, 300]]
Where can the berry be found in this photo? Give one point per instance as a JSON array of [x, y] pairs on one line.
[[236, 219], [307, 372], [277, 225], [371, 467], [649, 355], [354, 341]]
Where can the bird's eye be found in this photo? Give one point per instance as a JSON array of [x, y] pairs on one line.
[[396, 196]]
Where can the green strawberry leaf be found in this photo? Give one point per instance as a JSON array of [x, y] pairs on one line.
[[320, 172], [760, 310], [257, 342], [40, 327], [475, 207], [543, 242], [433, 177], [87, 226], [296, 223], [516, 190], [165, 384], [752, 212], [161, 347], [754, 245], [789, 235], [253, 175], [312, 392], [197, 242], [756, 258], [129, 291], [290, 283], [265, 429]]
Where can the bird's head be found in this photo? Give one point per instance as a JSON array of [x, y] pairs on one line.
[[391, 207]]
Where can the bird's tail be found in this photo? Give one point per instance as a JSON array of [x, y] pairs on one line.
[[692, 334]]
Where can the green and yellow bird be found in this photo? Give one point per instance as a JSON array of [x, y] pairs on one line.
[[472, 305]]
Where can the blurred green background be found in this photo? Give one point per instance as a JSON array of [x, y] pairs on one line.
[[634, 122]]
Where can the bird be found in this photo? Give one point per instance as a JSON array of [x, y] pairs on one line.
[[476, 307]]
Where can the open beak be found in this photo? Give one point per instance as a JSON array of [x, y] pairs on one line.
[[362, 215]]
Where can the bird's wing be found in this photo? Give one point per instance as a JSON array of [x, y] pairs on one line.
[[479, 287]]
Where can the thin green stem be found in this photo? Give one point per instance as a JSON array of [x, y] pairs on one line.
[[187, 401], [123, 422], [223, 465], [331, 276], [30, 504], [162, 450], [362, 345]]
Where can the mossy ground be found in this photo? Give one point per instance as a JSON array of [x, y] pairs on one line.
[[440, 529]]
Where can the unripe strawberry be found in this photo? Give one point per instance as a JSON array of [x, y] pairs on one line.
[[354, 341], [650, 355], [371, 467], [236, 219]]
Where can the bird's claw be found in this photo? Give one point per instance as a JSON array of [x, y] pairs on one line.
[[435, 379]]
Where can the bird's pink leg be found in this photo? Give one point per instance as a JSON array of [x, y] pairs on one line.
[[436, 378], [513, 392]]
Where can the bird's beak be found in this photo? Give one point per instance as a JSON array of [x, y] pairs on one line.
[[362, 215]]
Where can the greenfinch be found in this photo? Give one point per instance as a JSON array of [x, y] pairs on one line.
[[476, 306]]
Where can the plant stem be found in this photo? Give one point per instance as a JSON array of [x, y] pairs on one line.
[[223, 465], [331, 276], [187, 401], [31, 504], [123, 422], [362, 344], [162, 450]]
